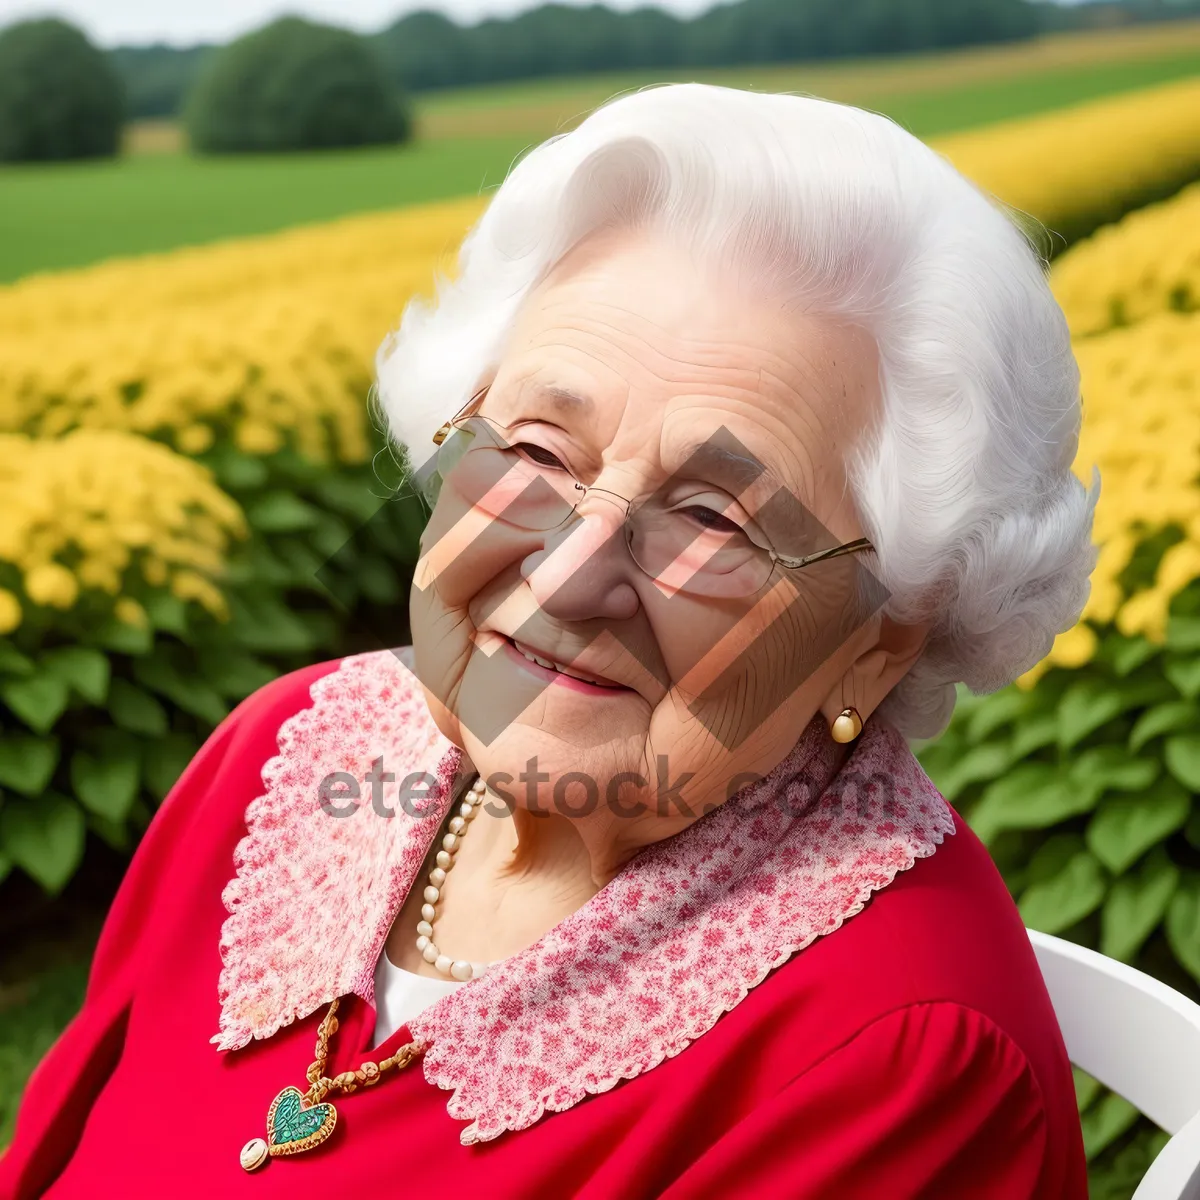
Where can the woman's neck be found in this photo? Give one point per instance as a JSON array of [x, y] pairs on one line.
[[515, 876]]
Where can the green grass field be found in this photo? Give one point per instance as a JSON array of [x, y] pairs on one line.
[[66, 215], [74, 213]]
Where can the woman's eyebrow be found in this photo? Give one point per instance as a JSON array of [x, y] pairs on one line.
[[564, 400], [723, 460]]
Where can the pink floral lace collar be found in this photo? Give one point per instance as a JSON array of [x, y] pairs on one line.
[[782, 863]]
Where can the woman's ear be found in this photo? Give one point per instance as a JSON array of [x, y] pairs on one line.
[[877, 669]]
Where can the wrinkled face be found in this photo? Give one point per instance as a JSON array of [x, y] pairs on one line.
[[705, 421]]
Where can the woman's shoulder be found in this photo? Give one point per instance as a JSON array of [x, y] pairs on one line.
[[226, 773], [939, 965], [945, 931], [252, 733], [249, 735]]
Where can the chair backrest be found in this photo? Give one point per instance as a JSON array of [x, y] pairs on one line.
[[1138, 1037]]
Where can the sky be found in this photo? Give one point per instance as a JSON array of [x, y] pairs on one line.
[[185, 22]]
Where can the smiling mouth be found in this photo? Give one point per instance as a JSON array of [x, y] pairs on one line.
[[563, 670]]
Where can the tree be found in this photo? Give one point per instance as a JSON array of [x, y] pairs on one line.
[[157, 77], [59, 96], [294, 85], [426, 49]]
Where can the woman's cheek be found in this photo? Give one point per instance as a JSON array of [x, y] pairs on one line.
[[463, 549], [442, 644]]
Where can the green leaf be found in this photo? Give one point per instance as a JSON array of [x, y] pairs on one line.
[[38, 701], [1087, 1088], [12, 661], [236, 471], [6, 866], [1184, 673], [1058, 903], [1084, 707], [1030, 796], [1129, 654], [234, 675], [1034, 733], [84, 669], [1182, 756], [112, 833], [1113, 769], [163, 761], [983, 762], [136, 710], [168, 613], [106, 784], [1105, 1121], [331, 538], [378, 582], [1163, 718], [44, 837], [1136, 903], [123, 638], [281, 512], [349, 495], [1126, 826], [997, 710], [1183, 633], [1052, 856], [303, 561], [1182, 924], [938, 757], [27, 763], [411, 518], [264, 626], [1117, 1176], [189, 693], [1138, 693]]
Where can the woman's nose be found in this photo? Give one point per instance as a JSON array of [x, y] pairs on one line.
[[582, 570]]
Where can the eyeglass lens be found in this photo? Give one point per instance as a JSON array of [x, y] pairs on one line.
[[672, 545]]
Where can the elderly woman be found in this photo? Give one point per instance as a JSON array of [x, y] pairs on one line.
[[749, 426]]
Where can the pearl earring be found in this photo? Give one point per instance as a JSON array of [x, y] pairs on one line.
[[847, 726]]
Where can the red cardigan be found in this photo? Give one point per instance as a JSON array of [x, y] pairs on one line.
[[914, 1052]]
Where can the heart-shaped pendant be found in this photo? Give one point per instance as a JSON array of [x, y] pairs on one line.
[[293, 1126]]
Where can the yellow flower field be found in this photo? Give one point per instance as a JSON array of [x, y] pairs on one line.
[[1130, 293], [268, 342], [1092, 159], [109, 502], [1145, 264], [271, 338]]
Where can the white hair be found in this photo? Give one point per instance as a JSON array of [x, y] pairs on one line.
[[965, 486]]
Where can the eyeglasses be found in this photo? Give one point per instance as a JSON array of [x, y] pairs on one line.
[[684, 545]]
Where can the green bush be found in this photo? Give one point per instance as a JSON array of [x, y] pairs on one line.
[[1085, 789], [99, 717], [294, 85], [60, 97]]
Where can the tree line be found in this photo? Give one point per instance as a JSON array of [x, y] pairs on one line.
[[295, 84], [426, 50]]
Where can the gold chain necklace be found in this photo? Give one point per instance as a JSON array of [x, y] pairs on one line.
[[299, 1121]]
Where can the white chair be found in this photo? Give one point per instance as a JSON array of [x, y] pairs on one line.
[[1141, 1039]]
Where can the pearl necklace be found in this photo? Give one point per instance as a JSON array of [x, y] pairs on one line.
[[458, 969]]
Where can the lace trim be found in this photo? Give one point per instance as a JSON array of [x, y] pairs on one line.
[[296, 866], [648, 965]]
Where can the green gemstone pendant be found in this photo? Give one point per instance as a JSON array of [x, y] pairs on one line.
[[292, 1127]]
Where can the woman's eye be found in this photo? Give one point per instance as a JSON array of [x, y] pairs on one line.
[[708, 518], [540, 455]]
